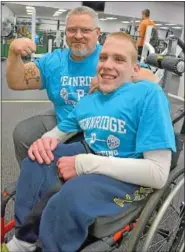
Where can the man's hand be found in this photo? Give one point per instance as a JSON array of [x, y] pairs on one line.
[[94, 85], [22, 46], [66, 168], [144, 74], [41, 150]]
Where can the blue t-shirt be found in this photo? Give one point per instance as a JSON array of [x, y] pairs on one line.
[[125, 123], [65, 79]]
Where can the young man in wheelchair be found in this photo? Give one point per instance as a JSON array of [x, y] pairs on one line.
[[129, 140]]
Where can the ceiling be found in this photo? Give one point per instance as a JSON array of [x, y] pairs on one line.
[[47, 12], [41, 12]]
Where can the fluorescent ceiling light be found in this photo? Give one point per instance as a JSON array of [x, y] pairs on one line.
[[110, 18], [29, 12], [158, 24], [102, 19], [125, 22], [177, 27], [137, 21], [60, 10], [164, 27], [30, 8], [171, 24]]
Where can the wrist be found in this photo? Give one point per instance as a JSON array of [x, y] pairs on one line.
[[78, 163], [12, 55]]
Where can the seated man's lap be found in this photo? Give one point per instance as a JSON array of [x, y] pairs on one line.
[[99, 192]]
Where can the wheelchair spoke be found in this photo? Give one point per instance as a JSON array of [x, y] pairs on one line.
[[158, 243], [169, 216], [161, 245], [172, 220], [176, 222]]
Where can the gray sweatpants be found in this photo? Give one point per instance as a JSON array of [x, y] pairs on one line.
[[29, 130]]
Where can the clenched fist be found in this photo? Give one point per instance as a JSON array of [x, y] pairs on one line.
[[22, 46], [66, 168]]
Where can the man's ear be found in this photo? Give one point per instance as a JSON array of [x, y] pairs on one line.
[[98, 31], [136, 69]]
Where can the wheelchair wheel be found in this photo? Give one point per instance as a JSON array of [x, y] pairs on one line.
[[151, 232], [178, 243]]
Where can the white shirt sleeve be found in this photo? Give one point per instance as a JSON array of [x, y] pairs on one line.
[[60, 135], [152, 171]]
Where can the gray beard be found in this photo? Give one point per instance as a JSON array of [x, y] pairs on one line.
[[80, 53]]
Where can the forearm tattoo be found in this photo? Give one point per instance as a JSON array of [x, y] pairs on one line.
[[31, 74]]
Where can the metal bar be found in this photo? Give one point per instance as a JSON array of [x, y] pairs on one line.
[[176, 97]]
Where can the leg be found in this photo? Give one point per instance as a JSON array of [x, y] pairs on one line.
[[75, 207], [35, 181], [29, 130]]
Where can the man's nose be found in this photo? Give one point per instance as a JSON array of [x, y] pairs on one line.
[[78, 34], [108, 63]]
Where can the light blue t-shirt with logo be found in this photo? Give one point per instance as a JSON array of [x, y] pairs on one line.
[[66, 80], [125, 123]]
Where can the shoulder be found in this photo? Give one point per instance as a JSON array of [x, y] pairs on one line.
[[54, 57], [97, 51], [143, 23], [148, 87], [60, 53]]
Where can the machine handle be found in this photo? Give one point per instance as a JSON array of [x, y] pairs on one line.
[[167, 62]]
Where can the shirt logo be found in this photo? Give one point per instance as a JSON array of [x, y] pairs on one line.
[[113, 142]]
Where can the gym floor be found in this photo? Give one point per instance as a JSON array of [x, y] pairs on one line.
[[19, 105]]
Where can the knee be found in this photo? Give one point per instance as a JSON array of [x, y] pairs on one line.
[[30, 167], [19, 133]]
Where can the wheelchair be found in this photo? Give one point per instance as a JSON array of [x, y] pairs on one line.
[[156, 223]]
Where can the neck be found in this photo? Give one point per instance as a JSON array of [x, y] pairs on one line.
[[78, 58]]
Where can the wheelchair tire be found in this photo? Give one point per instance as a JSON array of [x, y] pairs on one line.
[[151, 205]]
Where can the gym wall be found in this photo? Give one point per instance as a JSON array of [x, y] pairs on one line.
[[160, 11], [172, 12]]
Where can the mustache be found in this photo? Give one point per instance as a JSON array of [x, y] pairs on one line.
[[78, 41]]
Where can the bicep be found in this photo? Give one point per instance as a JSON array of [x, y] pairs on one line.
[[32, 77]]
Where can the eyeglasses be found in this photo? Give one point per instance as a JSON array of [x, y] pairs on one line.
[[72, 31]]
